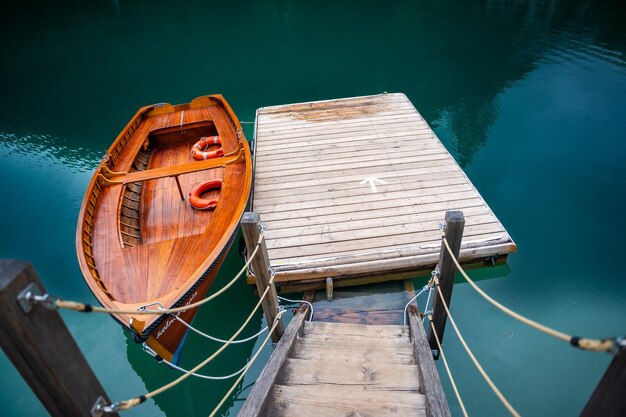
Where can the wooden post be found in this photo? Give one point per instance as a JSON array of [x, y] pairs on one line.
[[42, 349], [609, 397], [251, 226], [454, 224]]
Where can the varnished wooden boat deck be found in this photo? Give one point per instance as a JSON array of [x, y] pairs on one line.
[[322, 221]]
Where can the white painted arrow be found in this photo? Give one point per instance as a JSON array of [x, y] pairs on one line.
[[372, 181]]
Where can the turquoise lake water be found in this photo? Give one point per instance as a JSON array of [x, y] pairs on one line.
[[528, 96]]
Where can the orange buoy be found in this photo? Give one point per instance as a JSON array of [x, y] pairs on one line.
[[199, 149], [200, 203]]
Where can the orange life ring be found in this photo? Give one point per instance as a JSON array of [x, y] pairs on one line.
[[200, 203], [199, 152]]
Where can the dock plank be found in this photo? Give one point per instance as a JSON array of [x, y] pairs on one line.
[[356, 373], [310, 402], [344, 352], [324, 219]]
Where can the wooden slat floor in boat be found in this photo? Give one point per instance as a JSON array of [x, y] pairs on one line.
[[323, 220], [156, 267]]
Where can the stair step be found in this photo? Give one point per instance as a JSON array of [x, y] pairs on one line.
[[307, 401], [347, 329], [356, 372], [371, 351]]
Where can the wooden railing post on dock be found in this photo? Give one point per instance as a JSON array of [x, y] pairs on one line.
[[251, 226], [42, 349], [609, 397], [454, 224]]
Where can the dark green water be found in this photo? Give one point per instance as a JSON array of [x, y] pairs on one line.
[[530, 98]]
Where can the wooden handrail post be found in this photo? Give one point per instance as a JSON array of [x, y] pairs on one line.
[[251, 226], [454, 224], [42, 349], [609, 397]]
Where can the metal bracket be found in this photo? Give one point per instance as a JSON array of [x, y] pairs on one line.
[[98, 408], [145, 307], [23, 298], [491, 260]]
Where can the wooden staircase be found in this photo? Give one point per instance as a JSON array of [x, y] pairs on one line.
[[355, 359], [338, 369]]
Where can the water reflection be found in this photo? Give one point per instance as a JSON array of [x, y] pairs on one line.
[[584, 33], [534, 90], [46, 149]]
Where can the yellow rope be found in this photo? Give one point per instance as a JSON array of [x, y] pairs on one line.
[[128, 404], [232, 388], [475, 361], [445, 363], [604, 345], [75, 306]]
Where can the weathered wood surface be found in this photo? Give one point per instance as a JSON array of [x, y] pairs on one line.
[[345, 368], [251, 227], [256, 403], [306, 401], [335, 369], [43, 350], [138, 243], [437, 405], [322, 221]]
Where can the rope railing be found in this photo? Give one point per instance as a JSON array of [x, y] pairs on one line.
[[300, 302], [493, 387], [610, 345], [133, 402], [217, 339], [254, 358], [57, 303], [445, 363]]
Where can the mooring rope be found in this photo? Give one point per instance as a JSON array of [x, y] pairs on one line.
[[54, 303], [473, 358], [254, 358], [152, 353], [132, 402], [406, 307], [216, 339], [610, 345], [301, 302], [445, 363]]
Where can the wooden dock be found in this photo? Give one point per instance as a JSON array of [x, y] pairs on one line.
[[334, 367], [353, 189]]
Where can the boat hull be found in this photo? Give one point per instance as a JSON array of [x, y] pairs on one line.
[[139, 242]]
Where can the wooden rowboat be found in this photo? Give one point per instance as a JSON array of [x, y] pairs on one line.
[[139, 242]]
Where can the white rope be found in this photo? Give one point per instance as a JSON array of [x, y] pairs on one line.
[[277, 320], [215, 339], [406, 307], [152, 353], [299, 301], [132, 402], [427, 311]]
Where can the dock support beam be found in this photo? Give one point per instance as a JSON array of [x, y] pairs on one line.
[[454, 224], [42, 349], [251, 226]]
